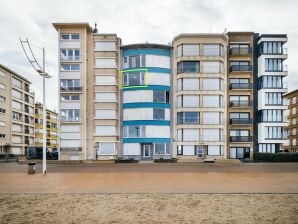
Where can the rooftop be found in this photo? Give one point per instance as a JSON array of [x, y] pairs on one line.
[[13, 72]]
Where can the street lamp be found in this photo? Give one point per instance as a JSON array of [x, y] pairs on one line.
[[41, 71]]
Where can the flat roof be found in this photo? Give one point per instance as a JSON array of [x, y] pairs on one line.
[[273, 35], [86, 25], [199, 35], [13, 72], [146, 45], [290, 93]]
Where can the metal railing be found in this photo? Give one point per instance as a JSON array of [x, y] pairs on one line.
[[241, 68], [240, 86], [240, 51], [240, 138], [240, 121], [69, 58], [65, 89], [241, 103]]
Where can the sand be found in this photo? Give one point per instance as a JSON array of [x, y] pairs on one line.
[[149, 208]]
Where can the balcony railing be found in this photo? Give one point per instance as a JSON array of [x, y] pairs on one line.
[[241, 103], [240, 86], [69, 58], [66, 89], [240, 121], [240, 51], [240, 138], [69, 119], [241, 68]]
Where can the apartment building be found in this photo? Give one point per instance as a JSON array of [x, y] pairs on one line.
[[16, 113], [52, 127], [240, 89], [272, 107], [291, 144], [199, 96], [146, 101], [88, 92]]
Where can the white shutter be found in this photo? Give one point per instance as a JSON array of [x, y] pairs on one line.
[[70, 135], [211, 134], [190, 84], [188, 150], [191, 135], [70, 128], [105, 114], [105, 63], [69, 143], [105, 80], [105, 97], [105, 130], [211, 84], [105, 46], [211, 101], [213, 150], [211, 118], [191, 101], [211, 67]]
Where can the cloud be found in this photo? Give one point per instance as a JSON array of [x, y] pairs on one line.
[[137, 21]]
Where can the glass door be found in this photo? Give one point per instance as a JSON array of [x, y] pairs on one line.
[[146, 150], [200, 151]]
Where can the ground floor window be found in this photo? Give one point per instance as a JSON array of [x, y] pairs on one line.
[[161, 149], [239, 152], [191, 150], [105, 148], [268, 148]]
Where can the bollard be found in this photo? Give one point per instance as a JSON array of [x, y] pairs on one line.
[[31, 168]]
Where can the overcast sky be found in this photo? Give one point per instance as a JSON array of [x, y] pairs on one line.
[[137, 21]]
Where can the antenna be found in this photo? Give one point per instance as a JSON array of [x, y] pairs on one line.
[[95, 30]]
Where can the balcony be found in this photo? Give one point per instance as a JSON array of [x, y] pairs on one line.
[[240, 139], [69, 119], [71, 89], [241, 103], [240, 121], [240, 68], [240, 51], [241, 86], [69, 58]]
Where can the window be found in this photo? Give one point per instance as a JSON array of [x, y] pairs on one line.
[[105, 46], [105, 114], [211, 134], [239, 49], [239, 118], [188, 84], [188, 134], [134, 61], [273, 132], [213, 150], [239, 84], [16, 105], [134, 131], [2, 111], [188, 117], [70, 84], [188, 66], [212, 118], [271, 82], [160, 96], [70, 54], [16, 116], [240, 66], [2, 136], [212, 84], [161, 149], [268, 148], [212, 67], [71, 97], [105, 130], [273, 98], [2, 86], [2, 98], [70, 115], [238, 101], [65, 36], [272, 47], [271, 115], [16, 83], [2, 73], [106, 148], [105, 97], [273, 65], [105, 80], [212, 101], [105, 63], [241, 135], [212, 50], [188, 50], [133, 78], [188, 101], [294, 100], [158, 114], [69, 67], [17, 94]]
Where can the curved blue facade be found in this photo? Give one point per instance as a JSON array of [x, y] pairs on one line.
[[145, 101]]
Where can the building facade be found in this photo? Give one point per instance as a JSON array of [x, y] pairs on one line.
[[199, 96], [88, 92], [272, 107], [52, 128], [291, 144], [16, 113], [146, 101]]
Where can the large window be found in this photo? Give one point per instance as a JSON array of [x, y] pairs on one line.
[[274, 132], [161, 149], [212, 67], [188, 50], [134, 131], [105, 46], [70, 115], [270, 82], [239, 118], [212, 101], [70, 67], [134, 61], [133, 78], [68, 36], [273, 98], [106, 148], [105, 97], [105, 130], [239, 101], [268, 148], [70, 54], [271, 115], [188, 84], [70, 97], [105, 80], [240, 49], [188, 66], [212, 118], [188, 101], [241, 135], [212, 134], [239, 152], [240, 66], [16, 83], [272, 47], [239, 84], [70, 84], [273, 65], [105, 114], [188, 117], [212, 84], [188, 134], [160, 96], [212, 50], [158, 114], [105, 63]]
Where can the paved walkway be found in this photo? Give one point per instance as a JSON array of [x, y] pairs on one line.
[[223, 178]]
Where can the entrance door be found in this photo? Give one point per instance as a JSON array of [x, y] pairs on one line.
[[146, 150], [200, 151]]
